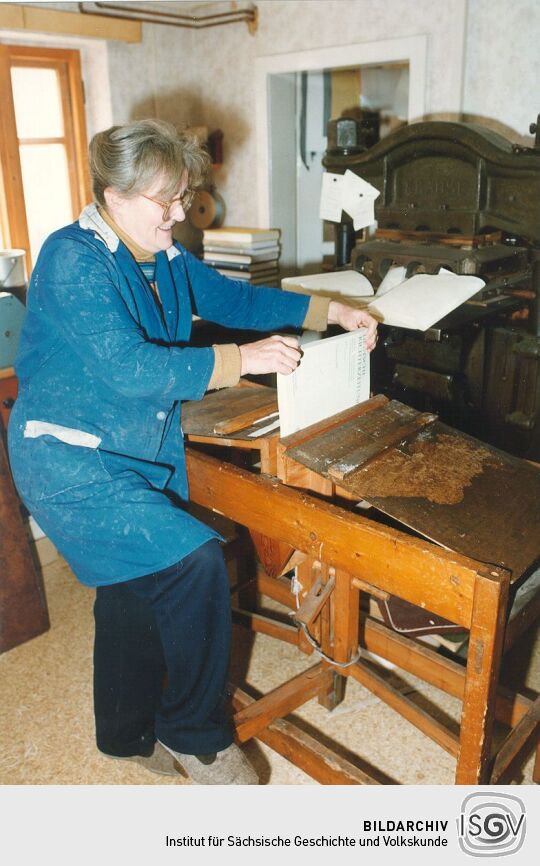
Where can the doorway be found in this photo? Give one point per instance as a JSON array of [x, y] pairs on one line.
[[391, 78]]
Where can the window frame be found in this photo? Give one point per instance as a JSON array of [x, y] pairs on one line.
[[67, 64]]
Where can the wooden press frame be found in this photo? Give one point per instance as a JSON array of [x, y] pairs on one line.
[[350, 553]]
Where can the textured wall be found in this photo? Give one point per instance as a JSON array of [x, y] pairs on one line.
[[207, 76], [502, 69], [155, 78], [224, 59]]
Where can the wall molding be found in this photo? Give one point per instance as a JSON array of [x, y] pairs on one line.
[[15, 16]]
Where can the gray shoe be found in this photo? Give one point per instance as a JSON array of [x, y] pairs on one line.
[[161, 761], [228, 767]]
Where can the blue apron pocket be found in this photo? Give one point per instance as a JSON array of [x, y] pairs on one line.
[[45, 468]]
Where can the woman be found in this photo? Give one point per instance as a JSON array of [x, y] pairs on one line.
[[96, 444]]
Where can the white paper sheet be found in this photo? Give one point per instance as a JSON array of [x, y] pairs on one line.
[[332, 376], [393, 277], [358, 200], [262, 431], [422, 300], [350, 193], [331, 197], [346, 284], [364, 216]]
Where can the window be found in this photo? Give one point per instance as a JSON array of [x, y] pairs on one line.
[[44, 180]]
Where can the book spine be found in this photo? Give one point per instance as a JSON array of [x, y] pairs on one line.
[[248, 275], [233, 266], [239, 261], [241, 250]]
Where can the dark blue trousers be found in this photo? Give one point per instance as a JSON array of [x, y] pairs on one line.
[[161, 658]]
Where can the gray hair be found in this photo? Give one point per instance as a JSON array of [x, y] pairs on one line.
[[129, 158]]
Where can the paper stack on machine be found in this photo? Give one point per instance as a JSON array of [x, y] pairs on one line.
[[247, 254]]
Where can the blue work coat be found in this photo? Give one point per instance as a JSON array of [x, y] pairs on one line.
[[95, 436]]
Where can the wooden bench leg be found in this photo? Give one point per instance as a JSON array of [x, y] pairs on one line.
[[331, 696], [536, 768], [346, 617], [345, 612], [483, 665], [517, 747]]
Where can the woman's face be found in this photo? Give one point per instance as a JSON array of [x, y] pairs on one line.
[[142, 219]]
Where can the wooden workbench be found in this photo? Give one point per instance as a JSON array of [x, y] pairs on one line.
[[339, 553]]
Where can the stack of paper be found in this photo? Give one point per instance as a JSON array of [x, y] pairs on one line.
[[333, 375]]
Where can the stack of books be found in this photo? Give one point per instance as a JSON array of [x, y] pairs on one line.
[[244, 254]]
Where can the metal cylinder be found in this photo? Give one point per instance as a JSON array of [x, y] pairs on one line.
[[345, 240], [348, 135]]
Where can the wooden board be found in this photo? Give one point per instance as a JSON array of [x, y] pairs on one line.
[[342, 450], [453, 489], [468, 241], [18, 16], [334, 437], [239, 405]]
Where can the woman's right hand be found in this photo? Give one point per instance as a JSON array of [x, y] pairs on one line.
[[274, 354]]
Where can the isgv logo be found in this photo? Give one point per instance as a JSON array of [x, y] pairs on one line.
[[491, 824]]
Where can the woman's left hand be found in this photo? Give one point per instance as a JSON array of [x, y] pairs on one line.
[[350, 319]]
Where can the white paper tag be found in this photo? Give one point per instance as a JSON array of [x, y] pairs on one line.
[[364, 216], [331, 196], [358, 200], [357, 184]]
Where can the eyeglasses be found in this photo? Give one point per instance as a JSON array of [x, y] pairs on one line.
[[185, 200]]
